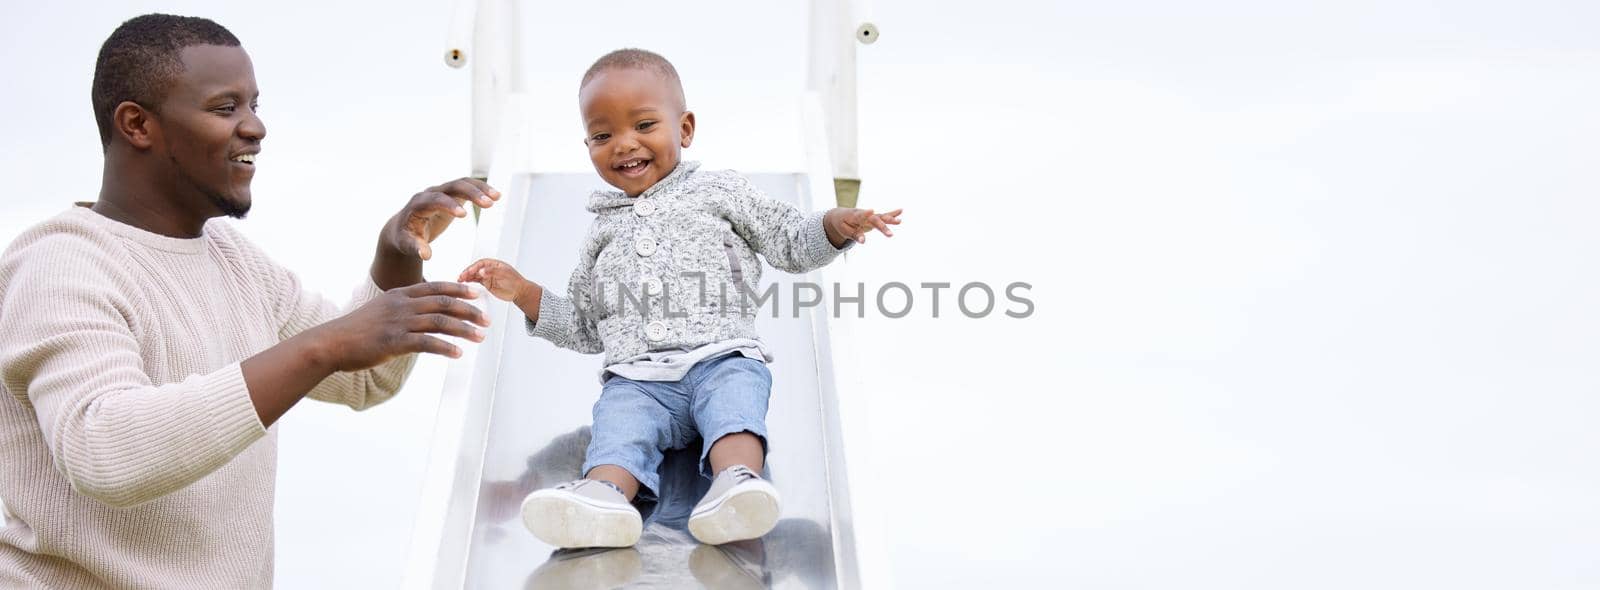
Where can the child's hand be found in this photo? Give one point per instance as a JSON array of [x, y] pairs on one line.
[[853, 224], [502, 281]]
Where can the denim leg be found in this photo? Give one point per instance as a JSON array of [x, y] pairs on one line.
[[729, 396], [633, 422]]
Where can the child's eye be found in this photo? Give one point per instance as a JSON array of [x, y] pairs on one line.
[[599, 137], [646, 125]]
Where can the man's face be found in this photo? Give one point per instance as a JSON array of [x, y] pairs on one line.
[[636, 127], [209, 127]]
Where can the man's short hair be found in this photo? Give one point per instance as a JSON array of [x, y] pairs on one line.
[[140, 59], [636, 59]]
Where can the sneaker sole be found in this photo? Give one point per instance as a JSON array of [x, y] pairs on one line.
[[561, 520], [748, 513]]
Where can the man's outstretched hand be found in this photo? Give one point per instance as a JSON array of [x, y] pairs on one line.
[[430, 212], [399, 322], [407, 238]]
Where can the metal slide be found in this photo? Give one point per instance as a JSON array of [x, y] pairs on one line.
[[515, 418], [514, 413]]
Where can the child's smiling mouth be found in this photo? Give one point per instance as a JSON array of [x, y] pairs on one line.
[[633, 167]]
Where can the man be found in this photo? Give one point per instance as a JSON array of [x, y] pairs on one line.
[[147, 348]]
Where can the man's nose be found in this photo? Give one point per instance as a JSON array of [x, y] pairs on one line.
[[253, 127]]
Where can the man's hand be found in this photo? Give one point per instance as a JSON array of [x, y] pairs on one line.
[[430, 212], [844, 224], [399, 322], [407, 238], [392, 324]]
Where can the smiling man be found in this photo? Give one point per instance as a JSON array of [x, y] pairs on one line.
[[147, 348]]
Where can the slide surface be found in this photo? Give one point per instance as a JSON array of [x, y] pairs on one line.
[[532, 417]]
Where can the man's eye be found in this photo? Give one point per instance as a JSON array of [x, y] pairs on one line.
[[227, 108]]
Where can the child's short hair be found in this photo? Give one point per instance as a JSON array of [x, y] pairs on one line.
[[636, 59]]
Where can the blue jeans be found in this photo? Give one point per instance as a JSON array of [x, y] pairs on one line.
[[634, 421]]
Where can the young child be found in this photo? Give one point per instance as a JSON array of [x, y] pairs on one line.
[[657, 288]]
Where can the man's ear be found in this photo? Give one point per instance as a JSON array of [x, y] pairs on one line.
[[687, 123], [135, 124]]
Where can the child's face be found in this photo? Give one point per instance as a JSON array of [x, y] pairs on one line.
[[636, 127]]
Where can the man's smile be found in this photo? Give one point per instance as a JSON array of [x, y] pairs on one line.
[[245, 160]]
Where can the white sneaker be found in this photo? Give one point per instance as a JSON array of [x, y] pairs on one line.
[[582, 513], [739, 506]]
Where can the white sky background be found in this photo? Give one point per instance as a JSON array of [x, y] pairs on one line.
[[1314, 282]]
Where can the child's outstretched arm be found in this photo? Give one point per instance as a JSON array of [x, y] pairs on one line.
[[791, 240], [843, 224], [559, 324]]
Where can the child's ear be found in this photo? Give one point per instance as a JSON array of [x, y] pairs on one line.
[[687, 124]]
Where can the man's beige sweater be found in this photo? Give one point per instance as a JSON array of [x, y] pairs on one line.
[[130, 453]]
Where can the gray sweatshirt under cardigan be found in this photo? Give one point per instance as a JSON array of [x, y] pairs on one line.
[[662, 278]]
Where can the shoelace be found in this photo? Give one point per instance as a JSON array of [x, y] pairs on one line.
[[741, 473], [575, 483]]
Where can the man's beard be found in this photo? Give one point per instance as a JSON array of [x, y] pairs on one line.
[[229, 208], [234, 210]]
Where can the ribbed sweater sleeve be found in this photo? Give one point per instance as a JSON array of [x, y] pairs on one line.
[[295, 310], [569, 321], [791, 240], [357, 389], [130, 452], [68, 351]]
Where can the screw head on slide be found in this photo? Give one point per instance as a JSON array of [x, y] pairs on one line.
[[455, 58], [867, 33]]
